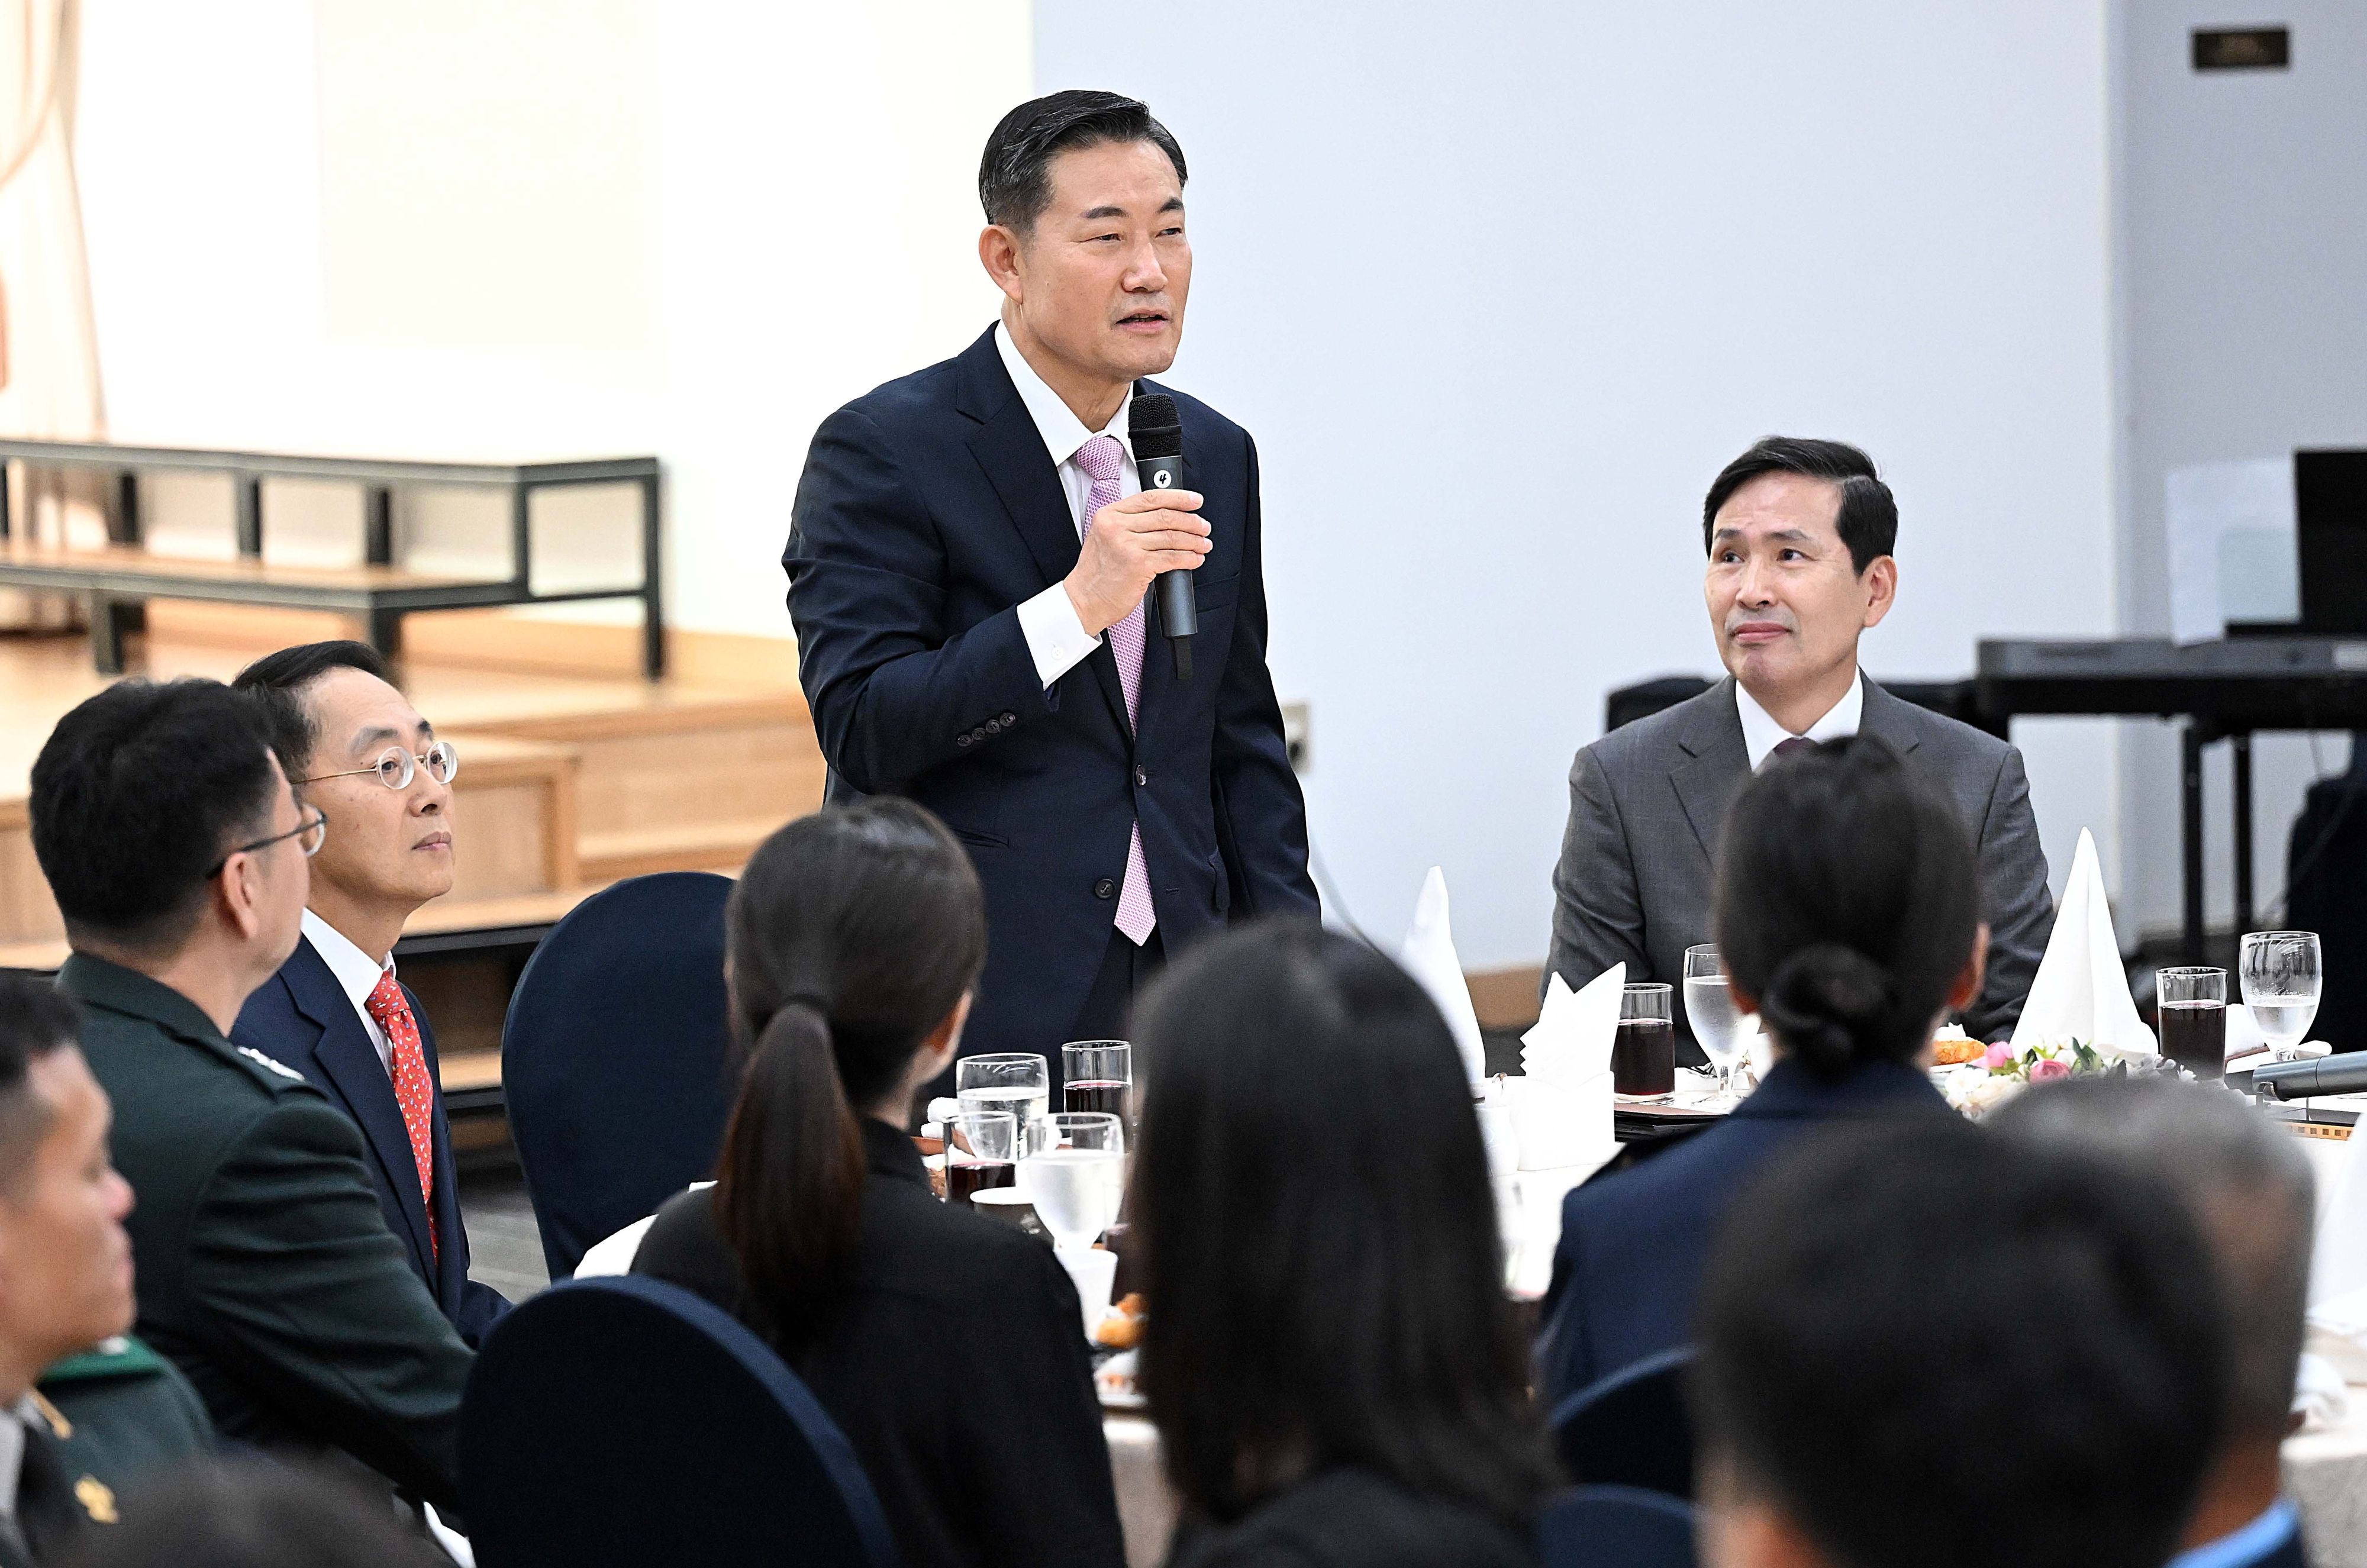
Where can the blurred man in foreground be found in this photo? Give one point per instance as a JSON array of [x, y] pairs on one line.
[[1929, 1347], [2248, 1185], [362, 755], [65, 1287], [177, 852]]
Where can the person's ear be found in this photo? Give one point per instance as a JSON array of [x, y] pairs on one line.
[[1881, 580], [238, 892], [1968, 984], [998, 251], [946, 1038]]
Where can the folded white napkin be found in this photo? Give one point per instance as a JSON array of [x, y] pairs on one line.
[[1429, 957], [2081, 992], [2320, 1394], [1561, 1105]]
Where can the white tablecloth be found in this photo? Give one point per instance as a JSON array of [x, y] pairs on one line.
[[1146, 1506]]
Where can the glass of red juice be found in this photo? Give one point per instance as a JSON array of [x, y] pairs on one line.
[[2193, 1017], [1098, 1076], [1644, 1052], [981, 1152]]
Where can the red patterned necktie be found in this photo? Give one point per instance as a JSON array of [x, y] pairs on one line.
[[412, 1092]]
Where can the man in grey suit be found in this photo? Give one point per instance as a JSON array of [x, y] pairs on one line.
[[1799, 535]]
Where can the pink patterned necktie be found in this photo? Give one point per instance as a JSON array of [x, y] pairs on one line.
[[1105, 459], [407, 1062]]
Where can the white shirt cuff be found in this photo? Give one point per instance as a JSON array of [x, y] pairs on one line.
[[1056, 638]]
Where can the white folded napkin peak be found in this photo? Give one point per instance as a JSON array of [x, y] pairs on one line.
[[2081, 992], [1428, 955]]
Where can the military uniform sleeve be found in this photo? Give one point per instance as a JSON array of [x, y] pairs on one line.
[[300, 1292]]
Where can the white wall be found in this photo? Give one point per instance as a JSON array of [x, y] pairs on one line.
[[2246, 339], [531, 228], [1500, 288]]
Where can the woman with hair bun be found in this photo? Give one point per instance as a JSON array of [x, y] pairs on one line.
[[1848, 913], [949, 1348]]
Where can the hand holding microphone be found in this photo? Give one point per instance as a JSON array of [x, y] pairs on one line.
[[1151, 535]]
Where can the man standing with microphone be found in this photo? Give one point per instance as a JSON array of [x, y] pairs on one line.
[[971, 561]]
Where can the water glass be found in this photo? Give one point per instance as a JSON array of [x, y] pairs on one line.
[[1098, 1075], [1076, 1176], [2283, 975], [1709, 1008], [1011, 1081], [1644, 1052], [2193, 1014], [981, 1152]]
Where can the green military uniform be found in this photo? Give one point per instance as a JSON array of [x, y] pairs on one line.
[[264, 1269], [109, 1423]]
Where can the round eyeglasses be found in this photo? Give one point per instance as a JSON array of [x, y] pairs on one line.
[[309, 834], [396, 768]]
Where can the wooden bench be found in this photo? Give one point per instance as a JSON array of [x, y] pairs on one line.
[[120, 579]]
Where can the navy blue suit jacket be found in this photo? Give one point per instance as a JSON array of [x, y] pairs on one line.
[[302, 1017], [1629, 1262], [928, 512]]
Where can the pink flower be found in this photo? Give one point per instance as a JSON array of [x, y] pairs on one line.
[[2046, 1067], [1996, 1056]]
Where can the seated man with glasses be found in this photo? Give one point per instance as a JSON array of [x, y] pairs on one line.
[[178, 855], [355, 747]]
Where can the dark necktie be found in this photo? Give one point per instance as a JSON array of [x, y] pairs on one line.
[[48, 1515], [1792, 745]]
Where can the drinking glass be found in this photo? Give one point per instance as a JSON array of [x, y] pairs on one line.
[[981, 1152], [2193, 1015], [1644, 1052], [1011, 1081], [2283, 974], [1097, 1075], [1710, 1010], [1076, 1176]]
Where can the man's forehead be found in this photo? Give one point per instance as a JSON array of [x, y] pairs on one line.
[[1134, 176], [1772, 503], [354, 707]]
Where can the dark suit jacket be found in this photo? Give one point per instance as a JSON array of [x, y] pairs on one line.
[[266, 1271], [1632, 1245], [1353, 1519], [302, 1017], [955, 1361], [1646, 803], [928, 512]]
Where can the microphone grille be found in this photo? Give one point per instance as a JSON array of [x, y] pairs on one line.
[[1156, 428]]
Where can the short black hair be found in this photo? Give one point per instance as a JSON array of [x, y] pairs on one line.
[[2242, 1177], [35, 1020], [1888, 1306], [1868, 522], [277, 680], [1847, 899], [1312, 1198], [1015, 178], [137, 794]]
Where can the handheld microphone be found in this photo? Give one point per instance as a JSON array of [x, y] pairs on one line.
[[1158, 433], [2345, 1074]]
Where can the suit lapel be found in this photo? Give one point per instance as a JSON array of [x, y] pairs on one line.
[[1889, 718], [1718, 761], [1010, 451], [349, 1060]]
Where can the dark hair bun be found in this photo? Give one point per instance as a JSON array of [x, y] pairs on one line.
[[1833, 1008]]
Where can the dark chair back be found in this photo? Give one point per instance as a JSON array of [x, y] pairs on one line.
[[626, 1420], [1631, 1429], [615, 1058], [1615, 1527]]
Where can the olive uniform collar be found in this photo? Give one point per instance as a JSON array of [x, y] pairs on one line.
[[97, 982]]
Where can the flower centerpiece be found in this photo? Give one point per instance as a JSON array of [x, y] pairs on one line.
[[1978, 1087]]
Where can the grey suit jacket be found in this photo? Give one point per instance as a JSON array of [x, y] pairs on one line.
[[1646, 802]]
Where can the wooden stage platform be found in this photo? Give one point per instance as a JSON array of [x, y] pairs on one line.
[[567, 783]]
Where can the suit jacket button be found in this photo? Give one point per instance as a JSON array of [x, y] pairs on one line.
[[1141, 777], [1104, 887], [1009, 719], [962, 739], [979, 734], [993, 726]]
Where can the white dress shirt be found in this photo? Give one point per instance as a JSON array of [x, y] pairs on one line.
[[358, 974], [1761, 734], [12, 1459], [1056, 637]]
